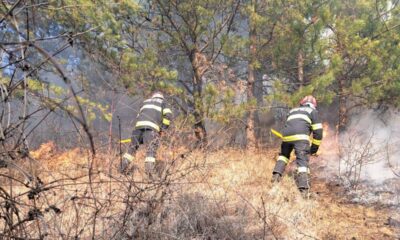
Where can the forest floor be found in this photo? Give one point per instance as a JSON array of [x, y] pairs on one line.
[[226, 194]]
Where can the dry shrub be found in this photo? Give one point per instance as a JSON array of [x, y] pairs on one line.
[[187, 216], [45, 151]]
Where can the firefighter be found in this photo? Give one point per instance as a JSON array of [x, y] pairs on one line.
[[153, 118], [300, 122]]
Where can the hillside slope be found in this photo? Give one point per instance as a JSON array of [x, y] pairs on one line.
[[225, 194]]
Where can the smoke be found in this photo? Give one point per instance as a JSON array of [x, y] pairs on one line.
[[367, 151]]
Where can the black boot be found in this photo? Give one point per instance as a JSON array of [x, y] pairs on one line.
[[279, 167], [303, 183], [3, 164], [150, 168], [276, 178], [305, 193], [125, 164]]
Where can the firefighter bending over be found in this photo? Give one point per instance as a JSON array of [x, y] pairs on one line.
[[153, 118], [300, 123]]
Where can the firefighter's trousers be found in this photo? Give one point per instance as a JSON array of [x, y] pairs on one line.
[[302, 151], [148, 137]]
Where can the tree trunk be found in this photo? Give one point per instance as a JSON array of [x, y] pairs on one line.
[[300, 68], [342, 106], [110, 132], [250, 125], [199, 66], [341, 126]]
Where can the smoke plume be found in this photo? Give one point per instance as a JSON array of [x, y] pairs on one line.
[[367, 151]]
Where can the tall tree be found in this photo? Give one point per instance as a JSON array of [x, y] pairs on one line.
[[197, 29], [32, 45], [252, 65], [352, 55], [365, 34], [144, 42], [253, 38]]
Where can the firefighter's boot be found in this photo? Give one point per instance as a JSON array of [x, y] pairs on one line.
[[127, 159], [279, 169], [276, 178], [3, 164], [303, 184], [150, 167]]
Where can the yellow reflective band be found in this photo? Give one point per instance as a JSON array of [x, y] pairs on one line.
[[303, 169], [316, 126], [166, 111], [166, 122], [296, 137], [129, 157], [316, 142], [276, 133], [150, 159], [151, 106], [147, 124], [128, 140], [301, 116], [283, 159]]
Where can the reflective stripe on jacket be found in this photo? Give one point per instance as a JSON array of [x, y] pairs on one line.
[[300, 123], [154, 114]]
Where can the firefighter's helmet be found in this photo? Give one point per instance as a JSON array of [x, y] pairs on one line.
[[157, 95], [308, 100]]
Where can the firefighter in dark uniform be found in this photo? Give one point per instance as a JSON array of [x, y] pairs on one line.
[[153, 118], [300, 123]]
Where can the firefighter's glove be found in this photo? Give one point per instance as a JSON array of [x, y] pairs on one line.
[[314, 149]]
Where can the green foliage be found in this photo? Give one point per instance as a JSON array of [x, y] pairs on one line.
[[352, 42], [144, 71], [144, 44], [56, 99], [118, 43], [220, 104]]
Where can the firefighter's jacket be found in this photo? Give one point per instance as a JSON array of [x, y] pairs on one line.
[[154, 114], [301, 122]]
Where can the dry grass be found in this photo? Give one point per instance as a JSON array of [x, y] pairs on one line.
[[243, 180], [222, 195]]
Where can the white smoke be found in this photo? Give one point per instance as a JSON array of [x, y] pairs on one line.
[[368, 150]]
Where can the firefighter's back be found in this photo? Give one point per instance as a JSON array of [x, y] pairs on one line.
[[299, 121], [150, 114]]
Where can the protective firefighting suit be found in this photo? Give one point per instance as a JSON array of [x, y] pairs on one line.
[[154, 117], [300, 122]]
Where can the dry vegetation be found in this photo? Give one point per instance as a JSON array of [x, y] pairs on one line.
[[225, 194]]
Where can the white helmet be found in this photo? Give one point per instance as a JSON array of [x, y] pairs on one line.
[[157, 95], [309, 101]]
